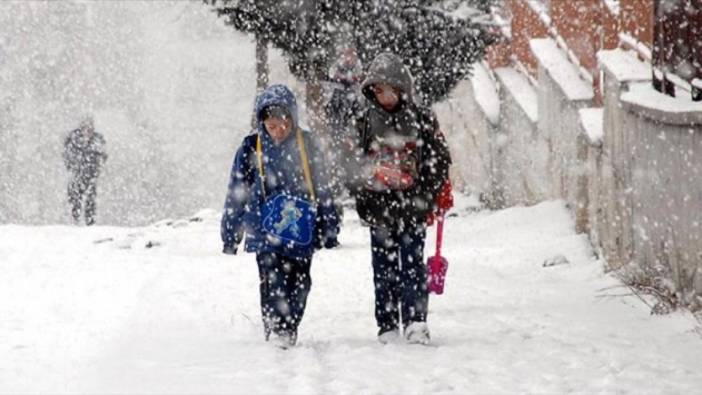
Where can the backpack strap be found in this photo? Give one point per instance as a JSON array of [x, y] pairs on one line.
[[305, 163], [303, 156], [363, 130], [259, 157]]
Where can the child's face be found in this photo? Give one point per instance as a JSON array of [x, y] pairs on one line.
[[388, 96], [278, 128]]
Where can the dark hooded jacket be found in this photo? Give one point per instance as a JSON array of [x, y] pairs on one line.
[[408, 122], [82, 156], [283, 173]]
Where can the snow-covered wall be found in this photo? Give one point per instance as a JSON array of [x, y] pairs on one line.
[[630, 171], [523, 153], [469, 133], [655, 142], [491, 124], [498, 154]]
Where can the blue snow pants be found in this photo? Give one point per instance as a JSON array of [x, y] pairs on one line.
[[285, 284], [399, 275]]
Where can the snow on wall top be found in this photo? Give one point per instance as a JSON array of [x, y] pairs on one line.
[[624, 65], [613, 6], [541, 9], [592, 120], [560, 69], [676, 110], [485, 93], [522, 91]]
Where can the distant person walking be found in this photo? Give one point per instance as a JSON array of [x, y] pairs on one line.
[[83, 155], [345, 102], [344, 106]]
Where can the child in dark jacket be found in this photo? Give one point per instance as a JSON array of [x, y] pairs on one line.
[[279, 197], [403, 162]]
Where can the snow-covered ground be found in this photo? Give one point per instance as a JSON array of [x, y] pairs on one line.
[[96, 310]]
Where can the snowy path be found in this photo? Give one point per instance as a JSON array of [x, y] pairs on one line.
[[181, 318]]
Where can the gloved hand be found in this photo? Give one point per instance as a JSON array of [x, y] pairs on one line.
[[393, 177], [331, 242], [229, 250], [325, 239], [445, 199], [319, 241]]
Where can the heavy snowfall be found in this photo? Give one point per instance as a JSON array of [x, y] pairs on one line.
[[144, 301]]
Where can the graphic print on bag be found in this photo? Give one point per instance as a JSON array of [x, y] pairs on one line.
[[395, 160], [290, 215], [289, 219]]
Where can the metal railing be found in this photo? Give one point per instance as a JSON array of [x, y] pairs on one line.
[[677, 47]]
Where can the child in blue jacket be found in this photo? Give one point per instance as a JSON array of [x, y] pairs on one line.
[[279, 197]]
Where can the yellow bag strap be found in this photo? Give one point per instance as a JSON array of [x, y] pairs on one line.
[[305, 163], [259, 157]]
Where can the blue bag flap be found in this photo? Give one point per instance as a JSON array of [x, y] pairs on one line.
[[289, 219]]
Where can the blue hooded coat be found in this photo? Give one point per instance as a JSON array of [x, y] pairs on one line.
[[283, 174]]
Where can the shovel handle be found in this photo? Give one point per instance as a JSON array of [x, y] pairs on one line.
[[439, 233]]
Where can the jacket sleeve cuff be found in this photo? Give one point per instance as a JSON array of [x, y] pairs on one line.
[[234, 241]]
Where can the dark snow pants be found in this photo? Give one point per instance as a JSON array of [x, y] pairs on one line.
[[79, 188], [400, 276], [285, 284]]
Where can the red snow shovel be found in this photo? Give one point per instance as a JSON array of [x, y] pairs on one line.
[[437, 265]]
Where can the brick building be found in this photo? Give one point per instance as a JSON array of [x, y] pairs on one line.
[[665, 33]]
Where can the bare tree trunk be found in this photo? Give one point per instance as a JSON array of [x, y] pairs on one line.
[[261, 70], [314, 96], [315, 107], [261, 64]]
